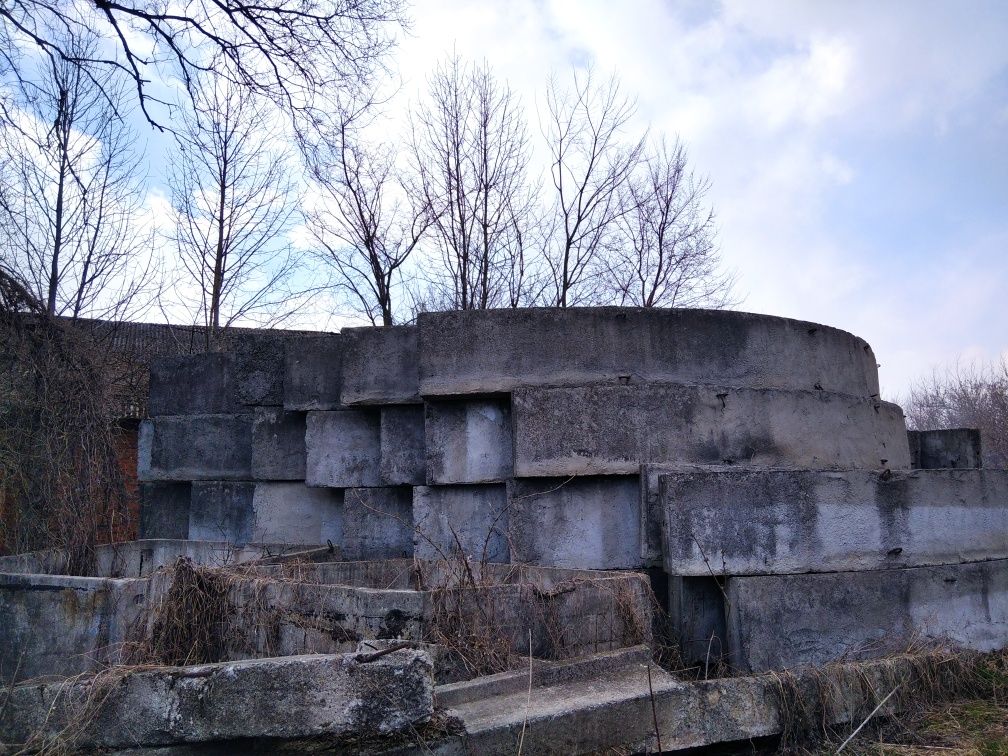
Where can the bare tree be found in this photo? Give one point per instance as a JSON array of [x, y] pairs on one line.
[[667, 255], [288, 52], [590, 165], [365, 226], [235, 205], [71, 194], [470, 153]]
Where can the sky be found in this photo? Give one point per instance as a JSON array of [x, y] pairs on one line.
[[857, 151]]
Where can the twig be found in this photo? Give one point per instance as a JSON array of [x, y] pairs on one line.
[[873, 712], [654, 709], [365, 658], [528, 699]]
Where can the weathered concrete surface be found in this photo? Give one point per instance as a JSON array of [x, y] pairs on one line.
[[403, 456], [292, 513], [764, 522], [790, 620], [278, 444], [222, 511], [584, 523], [613, 429], [380, 365], [477, 515], [312, 372], [488, 351], [164, 510], [696, 615], [195, 447], [958, 448], [468, 441], [378, 523], [259, 369], [344, 448], [291, 697], [193, 384]]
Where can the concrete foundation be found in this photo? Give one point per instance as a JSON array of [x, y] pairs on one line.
[[473, 518], [957, 448], [468, 441]]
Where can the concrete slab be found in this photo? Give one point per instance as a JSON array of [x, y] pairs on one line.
[[278, 444], [195, 447], [403, 455], [343, 448], [764, 522], [613, 429], [468, 441], [378, 523], [222, 511], [336, 696], [958, 448], [380, 366], [193, 384], [495, 351], [312, 372], [583, 523], [784, 621], [164, 510], [292, 513], [259, 369], [477, 515]]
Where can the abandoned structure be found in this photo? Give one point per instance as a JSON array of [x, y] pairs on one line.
[[743, 467]]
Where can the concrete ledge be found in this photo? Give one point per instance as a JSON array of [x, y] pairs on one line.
[[786, 621], [948, 448], [380, 366], [312, 372], [477, 515], [583, 523], [278, 444], [291, 697], [343, 448], [195, 447], [496, 351], [764, 522], [468, 441], [613, 429]]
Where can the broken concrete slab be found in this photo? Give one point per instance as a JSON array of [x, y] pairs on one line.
[[378, 523], [957, 448], [164, 510], [380, 366], [193, 384], [195, 447], [477, 515], [312, 372], [614, 429], [291, 697], [343, 448], [583, 523], [784, 621], [468, 441], [762, 522], [278, 444], [496, 351], [403, 455]]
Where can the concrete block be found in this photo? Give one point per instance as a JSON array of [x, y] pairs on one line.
[[957, 448], [477, 515], [195, 447], [377, 523], [380, 365], [164, 510], [222, 511], [495, 351], [278, 444], [697, 618], [312, 372], [403, 455], [781, 621], [193, 384], [259, 369], [613, 429], [292, 513], [758, 522], [468, 441], [343, 448], [584, 523], [312, 696]]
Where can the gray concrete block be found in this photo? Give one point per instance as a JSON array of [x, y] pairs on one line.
[[259, 369], [377, 523], [193, 384], [312, 372], [278, 444], [292, 513], [613, 429], [477, 515], [584, 523], [195, 447], [468, 441], [343, 448], [781, 621], [957, 448], [380, 366], [222, 511], [758, 522], [403, 455], [697, 618], [495, 351], [164, 510]]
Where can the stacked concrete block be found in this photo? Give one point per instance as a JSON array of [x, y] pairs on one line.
[[957, 448]]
